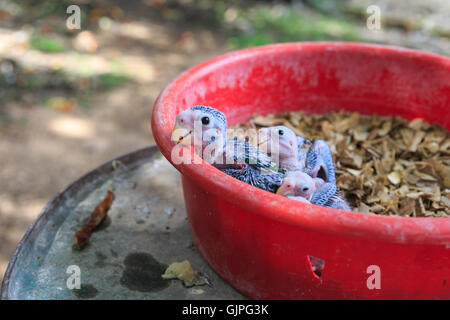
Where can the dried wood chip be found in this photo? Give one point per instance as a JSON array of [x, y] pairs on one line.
[[407, 136], [377, 208], [267, 122], [416, 124], [395, 177], [437, 193], [445, 201], [360, 135], [385, 129], [414, 195], [407, 207], [363, 208], [431, 148], [420, 209], [424, 176], [445, 145], [356, 173], [402, 191], [418, 136], [412, 179]]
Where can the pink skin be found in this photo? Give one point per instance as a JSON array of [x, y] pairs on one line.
[[287, 147], [190, 130], [299, 186]]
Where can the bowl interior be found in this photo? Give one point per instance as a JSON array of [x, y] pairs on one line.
[[315, 77]]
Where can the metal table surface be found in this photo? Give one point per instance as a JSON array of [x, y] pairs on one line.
[[145, 231]]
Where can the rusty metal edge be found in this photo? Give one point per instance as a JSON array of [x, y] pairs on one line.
[[48, 209]]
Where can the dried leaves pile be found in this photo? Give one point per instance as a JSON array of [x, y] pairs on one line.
[[384, 165]]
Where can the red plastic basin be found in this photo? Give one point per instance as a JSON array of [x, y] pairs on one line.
[[260, 242]]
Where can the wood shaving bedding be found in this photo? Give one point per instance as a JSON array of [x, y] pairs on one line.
[[384, 165]]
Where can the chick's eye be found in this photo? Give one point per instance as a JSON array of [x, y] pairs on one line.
[[205, 120], [305, 189], [280, 132]]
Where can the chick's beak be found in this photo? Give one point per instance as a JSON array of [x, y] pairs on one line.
[[181, 135], [263, 139], [283, 190]]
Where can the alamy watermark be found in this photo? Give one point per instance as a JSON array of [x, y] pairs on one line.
[[74, 280], [73, 22], [373, 22], [214, 147], [374, 280]]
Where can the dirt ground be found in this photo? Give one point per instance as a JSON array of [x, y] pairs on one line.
[[44, 149]]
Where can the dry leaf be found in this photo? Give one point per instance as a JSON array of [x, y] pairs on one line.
[[96, 217], [184, 272]]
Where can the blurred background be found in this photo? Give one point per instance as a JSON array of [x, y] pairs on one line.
[[73, 99]]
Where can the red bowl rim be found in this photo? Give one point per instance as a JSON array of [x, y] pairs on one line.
[[418, 230]]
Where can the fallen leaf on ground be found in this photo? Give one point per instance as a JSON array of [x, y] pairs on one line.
[[96, 217], [184, 272]]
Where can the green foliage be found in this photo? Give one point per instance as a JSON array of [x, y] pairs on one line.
[[45, 8], [110, 80], [45, 79], [327, 6], [284, 24], [250, 40], [62, 80], [47, 44]]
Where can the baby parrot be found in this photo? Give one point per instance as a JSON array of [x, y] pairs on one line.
[[300, 186], [297, 153], [208, 127]]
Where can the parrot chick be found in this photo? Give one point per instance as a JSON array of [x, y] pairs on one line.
[[207, 127], [298, 185], [319, 161], [297, 153], [281, 144]]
